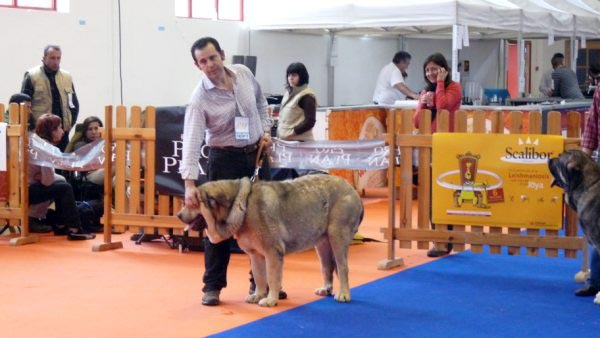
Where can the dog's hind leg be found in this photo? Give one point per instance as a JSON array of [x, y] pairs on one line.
[[340, 237], [340, 251], [259, 271], [323, 248]]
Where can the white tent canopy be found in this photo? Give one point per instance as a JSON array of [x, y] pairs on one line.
[[459, 20], [433, 18]]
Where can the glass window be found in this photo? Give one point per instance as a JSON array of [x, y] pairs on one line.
[[182, 8], [210, 9], [230, 10], [203, 9], [41, 4], [49, 4]]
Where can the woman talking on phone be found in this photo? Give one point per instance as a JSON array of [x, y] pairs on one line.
[[440, 91]]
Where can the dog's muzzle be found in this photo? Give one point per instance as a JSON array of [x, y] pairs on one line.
[[197, 224]]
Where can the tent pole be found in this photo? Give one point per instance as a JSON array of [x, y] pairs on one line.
[[574, 45], [521, 56], [332, 57], [501, 82], [455, 75]]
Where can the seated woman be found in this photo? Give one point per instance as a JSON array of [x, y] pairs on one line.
[[91, 133], [44, 185]]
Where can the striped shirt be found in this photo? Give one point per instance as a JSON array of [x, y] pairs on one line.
[[590, 133], [211, 115]]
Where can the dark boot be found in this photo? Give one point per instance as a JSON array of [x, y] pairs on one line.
[[434, 252]]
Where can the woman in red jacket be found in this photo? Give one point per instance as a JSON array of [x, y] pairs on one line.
[[440, 92]]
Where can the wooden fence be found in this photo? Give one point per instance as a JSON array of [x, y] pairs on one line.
[[14, 210], [137, 205], [403, 232]]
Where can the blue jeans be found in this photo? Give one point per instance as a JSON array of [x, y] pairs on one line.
[[594, 279]]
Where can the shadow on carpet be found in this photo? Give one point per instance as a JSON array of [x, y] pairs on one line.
[[463, 295]]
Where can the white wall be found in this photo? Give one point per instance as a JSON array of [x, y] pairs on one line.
[[540, 60], [87, 49], [357, 66], [157, 67], [276, 50], [156, 62]]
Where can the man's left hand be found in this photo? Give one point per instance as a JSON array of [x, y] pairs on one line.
[[266, 142]]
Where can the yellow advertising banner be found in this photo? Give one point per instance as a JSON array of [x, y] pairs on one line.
[[495, 179]]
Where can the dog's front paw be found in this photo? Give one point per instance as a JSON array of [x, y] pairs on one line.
[[254, 298], [597, 299], [342, 297], [268, 302], [582, 276], [324, 292]]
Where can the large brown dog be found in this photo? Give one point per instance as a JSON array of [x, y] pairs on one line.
[[271, 219], [579, 176]]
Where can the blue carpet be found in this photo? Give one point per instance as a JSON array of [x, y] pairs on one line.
[[463, 295]]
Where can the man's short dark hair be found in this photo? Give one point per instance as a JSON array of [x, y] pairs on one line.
[[19, 98], [47, 48], [300, 69], [203, 42], [595, 69], [401, 56], [557, 59]]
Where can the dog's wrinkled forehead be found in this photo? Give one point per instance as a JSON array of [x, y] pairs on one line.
[[215, 193], [575, 159]]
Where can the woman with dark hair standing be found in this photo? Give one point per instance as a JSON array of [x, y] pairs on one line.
[[45, 185], [297, 113], [440, 91]]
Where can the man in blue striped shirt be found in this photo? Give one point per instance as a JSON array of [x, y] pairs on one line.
[[229, 111]]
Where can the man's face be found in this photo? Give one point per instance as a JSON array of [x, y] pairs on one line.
[[403, 65], [210, 61], [595, 78], [52, 59]]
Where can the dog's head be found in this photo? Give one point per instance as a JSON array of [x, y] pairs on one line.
[[569, 168], [223, 206]]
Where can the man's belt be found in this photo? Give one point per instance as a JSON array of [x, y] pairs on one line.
[[247, 149]]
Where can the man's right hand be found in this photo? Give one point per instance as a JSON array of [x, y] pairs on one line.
[[192, 195]]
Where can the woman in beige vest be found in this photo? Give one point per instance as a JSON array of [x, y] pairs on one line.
[[297, 113]]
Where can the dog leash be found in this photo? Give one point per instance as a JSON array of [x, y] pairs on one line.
[[259, 161]]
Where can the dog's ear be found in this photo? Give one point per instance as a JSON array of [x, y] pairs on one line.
[[575, 171], [237, 213]]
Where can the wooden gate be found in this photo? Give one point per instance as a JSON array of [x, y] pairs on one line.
[[401, 228], [14, 210], [137, 205]]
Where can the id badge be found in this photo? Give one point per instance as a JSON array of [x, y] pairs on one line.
[[242, 128]]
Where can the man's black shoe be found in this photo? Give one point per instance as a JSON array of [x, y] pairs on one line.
[[433, 252], [38, 226], [587, 291], [211, 298], [80, 236]]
